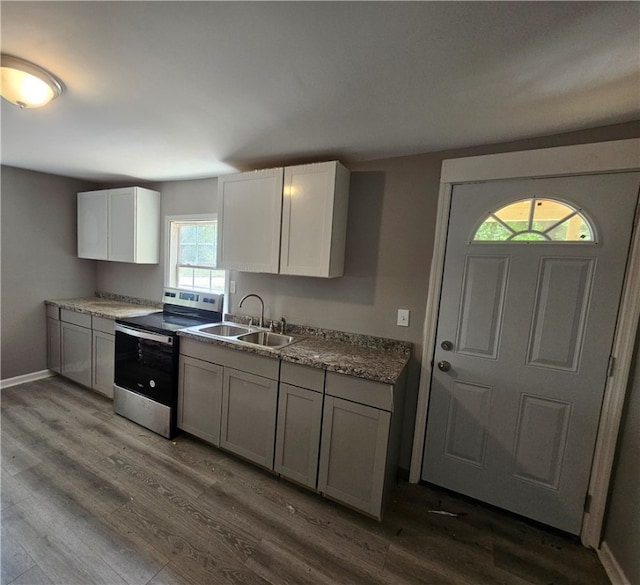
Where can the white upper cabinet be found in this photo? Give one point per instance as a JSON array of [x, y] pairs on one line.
[[314, 219], [121, 225], [249, 211], [284, 221]]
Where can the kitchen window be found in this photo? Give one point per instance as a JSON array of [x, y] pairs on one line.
[[191, 257]]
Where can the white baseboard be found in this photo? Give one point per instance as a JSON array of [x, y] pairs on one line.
[[611, 566], [32, 377]]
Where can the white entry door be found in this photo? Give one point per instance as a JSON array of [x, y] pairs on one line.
[[531, 287]]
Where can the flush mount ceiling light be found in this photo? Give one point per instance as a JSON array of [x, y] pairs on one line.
[[27, 85]]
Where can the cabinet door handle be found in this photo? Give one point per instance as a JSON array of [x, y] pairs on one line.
[[165, 339]]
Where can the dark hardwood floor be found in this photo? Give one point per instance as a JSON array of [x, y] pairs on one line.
[[89, 497]]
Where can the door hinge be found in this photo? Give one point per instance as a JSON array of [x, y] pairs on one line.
[[611, 366], [587, 503]]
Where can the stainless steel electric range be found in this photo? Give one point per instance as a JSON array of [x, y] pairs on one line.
[[147, 351]]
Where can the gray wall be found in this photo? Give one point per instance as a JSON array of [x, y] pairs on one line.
[[38, 262], [622, 531]]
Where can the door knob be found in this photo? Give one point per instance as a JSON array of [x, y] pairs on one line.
[[444, 366], [446, 345]]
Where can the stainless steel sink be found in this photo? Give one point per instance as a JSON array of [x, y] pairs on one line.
[[266, 338], [244, 335], [224, 330]]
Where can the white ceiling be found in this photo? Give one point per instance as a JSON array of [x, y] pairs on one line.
[[179, 90]]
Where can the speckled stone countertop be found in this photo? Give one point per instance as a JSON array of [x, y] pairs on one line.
[[107, 306], [372, 358]]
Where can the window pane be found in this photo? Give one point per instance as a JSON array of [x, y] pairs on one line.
[[185, 277], [188, 234], [536, 220], [187, 254], [516, 213], [201, 279], [574, 229], [207, 232], [492, 231], [217, 281], [551, 211], [206, 255]]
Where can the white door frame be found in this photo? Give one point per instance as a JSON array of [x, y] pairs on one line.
[[603, 157]]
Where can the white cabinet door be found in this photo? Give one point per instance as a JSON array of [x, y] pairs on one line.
[[93, 215], [200, 399], [249, 408], [249, 213], [76, 352], [103, 363], [122, 225], [314, 219], [298, 434], [353, 457]]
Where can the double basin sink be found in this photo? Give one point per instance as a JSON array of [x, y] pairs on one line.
[[245, 335]]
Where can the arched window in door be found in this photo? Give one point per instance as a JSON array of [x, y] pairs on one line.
[[536, 220]]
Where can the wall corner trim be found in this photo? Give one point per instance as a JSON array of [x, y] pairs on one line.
[[611, 566]]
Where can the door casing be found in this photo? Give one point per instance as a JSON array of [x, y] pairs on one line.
[[603, 157]]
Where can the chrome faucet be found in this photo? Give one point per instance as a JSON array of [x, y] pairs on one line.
[[245, 297]]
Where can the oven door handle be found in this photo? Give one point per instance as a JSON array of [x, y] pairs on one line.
[[165, 339]]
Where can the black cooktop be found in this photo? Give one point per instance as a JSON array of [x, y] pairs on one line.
[[169, 322], [181, 309]]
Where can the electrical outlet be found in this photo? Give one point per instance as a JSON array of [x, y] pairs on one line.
[[232, 287], [403, 317]]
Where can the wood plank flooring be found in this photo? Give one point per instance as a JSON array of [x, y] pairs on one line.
[[91, 498]]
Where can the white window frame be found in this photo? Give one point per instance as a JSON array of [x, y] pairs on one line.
[[583, 159], [168, 256]]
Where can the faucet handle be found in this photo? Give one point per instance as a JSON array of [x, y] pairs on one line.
[[250, 322]]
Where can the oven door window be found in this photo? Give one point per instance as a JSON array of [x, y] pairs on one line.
[[147, 367]]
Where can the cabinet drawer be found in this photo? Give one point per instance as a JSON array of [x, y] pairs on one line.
[[359, 390], [302, 376], [81, 319], [53, 312], [231, 358], [104, 325]]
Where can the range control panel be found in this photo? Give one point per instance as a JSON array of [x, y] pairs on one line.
[[193, 299]]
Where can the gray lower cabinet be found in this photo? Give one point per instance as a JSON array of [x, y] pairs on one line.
[[53, 339], [298, 434], [81, 347], [361, 431], [75, 342], [299, 423], [354, 454], [200, 398], [249, 408], [229, 398], [103, 362], [334, 433]]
